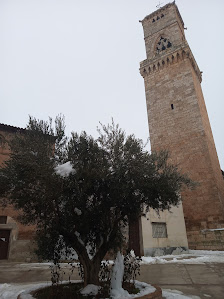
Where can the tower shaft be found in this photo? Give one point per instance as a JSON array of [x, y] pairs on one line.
[[179, 123]]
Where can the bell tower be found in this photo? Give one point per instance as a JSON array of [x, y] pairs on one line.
[[178, 122]]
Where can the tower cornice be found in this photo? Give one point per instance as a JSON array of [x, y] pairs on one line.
[[169, 57]]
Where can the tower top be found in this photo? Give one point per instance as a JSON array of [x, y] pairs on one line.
[[156, 15], [165, 39]]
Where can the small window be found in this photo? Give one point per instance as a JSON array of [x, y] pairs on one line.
[[3, 219], [159, 230], [172, 107]]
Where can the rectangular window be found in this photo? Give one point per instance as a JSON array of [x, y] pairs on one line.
[[159, 230], [3, 219]]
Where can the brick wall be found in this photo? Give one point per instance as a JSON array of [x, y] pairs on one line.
[[178, 121], [21, 246]]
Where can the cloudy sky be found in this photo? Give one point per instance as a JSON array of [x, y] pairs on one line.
[[81, 58]]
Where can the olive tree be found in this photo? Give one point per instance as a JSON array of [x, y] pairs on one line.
[[81, 191]]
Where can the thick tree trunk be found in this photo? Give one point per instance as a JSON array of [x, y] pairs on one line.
[[91, 270]]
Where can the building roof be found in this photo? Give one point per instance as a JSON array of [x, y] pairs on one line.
[[8, 128]]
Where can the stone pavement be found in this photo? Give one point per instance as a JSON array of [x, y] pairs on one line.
[[203, 280]]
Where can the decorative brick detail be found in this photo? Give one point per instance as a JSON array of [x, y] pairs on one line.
[[147, 67]]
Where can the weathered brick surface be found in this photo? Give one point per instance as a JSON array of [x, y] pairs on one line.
[[21, 245], [172, 80]]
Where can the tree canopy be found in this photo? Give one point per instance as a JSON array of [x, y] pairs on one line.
[[84, 190]]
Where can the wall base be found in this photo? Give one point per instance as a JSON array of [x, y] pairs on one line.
[[164, 251]]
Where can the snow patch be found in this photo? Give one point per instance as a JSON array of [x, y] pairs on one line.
[[117, 277], [90, 289], [174, 294], [77, 211], [9, 291], [64, 170], [193, 257], [144, 288]]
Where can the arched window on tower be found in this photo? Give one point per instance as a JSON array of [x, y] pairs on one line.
[[163, 44]]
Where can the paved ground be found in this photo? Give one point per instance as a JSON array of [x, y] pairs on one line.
[[203, 280], [200, 279]]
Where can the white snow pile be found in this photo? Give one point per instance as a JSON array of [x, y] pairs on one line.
[[90, 289], [193, 257], [65, 169]]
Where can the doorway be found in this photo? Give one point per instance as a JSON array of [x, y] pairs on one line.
[[4, 243]]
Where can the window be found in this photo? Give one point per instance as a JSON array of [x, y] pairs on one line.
[[159, 230], [3, 219], [163, 44], [172, 107]]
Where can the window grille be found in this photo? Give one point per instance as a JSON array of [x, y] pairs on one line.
[[159, 230]]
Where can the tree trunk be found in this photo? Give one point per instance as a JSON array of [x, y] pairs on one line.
[[91, 270]]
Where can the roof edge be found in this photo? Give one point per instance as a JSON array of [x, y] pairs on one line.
[[8, 128]]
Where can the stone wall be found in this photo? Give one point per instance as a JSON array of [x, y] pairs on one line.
[[178, 121], [207, 239]]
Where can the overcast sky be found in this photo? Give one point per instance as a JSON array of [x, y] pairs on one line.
[[81, 58]]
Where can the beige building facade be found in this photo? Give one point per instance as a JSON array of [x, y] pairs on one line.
[[164, 233]]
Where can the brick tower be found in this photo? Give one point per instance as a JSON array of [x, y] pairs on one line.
[[178, 122]]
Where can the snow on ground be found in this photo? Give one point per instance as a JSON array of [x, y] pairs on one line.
[[11, 291], [174, 294], [193, 257]]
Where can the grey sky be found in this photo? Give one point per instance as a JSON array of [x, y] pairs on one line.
[[81, 58]]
